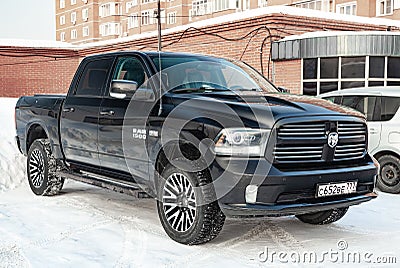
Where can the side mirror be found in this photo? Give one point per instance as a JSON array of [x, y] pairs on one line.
[[283, 90], [122, 89]]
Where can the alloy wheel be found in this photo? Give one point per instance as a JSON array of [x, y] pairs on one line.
[[36, 168], [179, 202]]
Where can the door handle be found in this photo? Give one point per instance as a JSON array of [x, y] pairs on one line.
[[107, 112], [69, 110]]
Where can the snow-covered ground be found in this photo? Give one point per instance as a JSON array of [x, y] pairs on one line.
[[91, 227]]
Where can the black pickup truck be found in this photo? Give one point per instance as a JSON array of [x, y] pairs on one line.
[[206, 137]]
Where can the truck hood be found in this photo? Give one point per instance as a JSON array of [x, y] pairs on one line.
[[279, 105]]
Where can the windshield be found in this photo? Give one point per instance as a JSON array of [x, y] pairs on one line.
[[204, 74]]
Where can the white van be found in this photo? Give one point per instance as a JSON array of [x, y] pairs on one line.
[[381, 107]]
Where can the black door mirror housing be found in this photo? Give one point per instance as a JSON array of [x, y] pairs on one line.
[[122, 89]]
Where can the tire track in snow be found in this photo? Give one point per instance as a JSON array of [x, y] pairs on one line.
[[279, 236], [128, 256], [44, 242], [82, 204]]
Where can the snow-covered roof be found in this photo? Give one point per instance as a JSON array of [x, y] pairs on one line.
[[338, 33], [285, 10], [36, 43]]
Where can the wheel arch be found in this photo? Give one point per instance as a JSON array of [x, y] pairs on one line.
[[35, 131], [175, 149], [386, 152]]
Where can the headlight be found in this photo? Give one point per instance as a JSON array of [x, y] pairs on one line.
[[241, 142]]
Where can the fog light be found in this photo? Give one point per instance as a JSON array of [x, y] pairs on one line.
[[251, 194]]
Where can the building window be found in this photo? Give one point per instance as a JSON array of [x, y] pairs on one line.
[[62, 36], [153, 19], [85, 31], [73, 17], [62, 3], [148, 1], [321, 75], [74, 34], [145, 17], [377, 67], [73, 2], [85, 14], [171, 18], [128, 6], [393, 67], [384, 7], [109, 9], [111, 28], [262, 3], [62, 20], [220, 5], [322, 5], [133, 21], [200, 7], [348, 8], [353, 67]]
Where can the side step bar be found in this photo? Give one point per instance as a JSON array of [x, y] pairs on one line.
[[116, 185]]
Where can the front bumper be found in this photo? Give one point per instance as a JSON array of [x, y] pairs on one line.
[[247, 210], [259, 188]]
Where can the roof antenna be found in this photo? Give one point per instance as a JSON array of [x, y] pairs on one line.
[[159, 52]]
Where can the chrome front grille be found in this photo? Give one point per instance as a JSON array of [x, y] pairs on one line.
[[302, 131], [352, 141], [351, 130], [307, 142], [291, 154]]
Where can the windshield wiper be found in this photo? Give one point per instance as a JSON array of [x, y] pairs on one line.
[[247, 89], [198, 90]]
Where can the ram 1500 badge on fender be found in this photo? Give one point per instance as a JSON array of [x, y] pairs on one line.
[[206, 137]]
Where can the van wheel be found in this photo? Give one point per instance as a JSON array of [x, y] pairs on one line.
[[182, 206], [323, 217], [41, 169], [389, 175]]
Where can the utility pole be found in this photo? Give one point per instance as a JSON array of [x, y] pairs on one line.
[[159, 24]]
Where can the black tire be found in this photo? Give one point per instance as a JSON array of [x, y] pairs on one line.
[[41, 169], [323, 217], [389, 175], [208, 218]]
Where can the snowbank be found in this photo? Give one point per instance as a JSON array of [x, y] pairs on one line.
[[12, 163]]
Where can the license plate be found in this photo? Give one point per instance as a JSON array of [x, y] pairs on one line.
[[336, 188]]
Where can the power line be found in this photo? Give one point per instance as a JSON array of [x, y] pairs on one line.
[[252, 34]]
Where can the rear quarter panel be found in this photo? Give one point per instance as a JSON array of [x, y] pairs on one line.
[[39, 110]]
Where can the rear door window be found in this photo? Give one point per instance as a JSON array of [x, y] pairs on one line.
[[389, 108], [363, 104], [93, 78]]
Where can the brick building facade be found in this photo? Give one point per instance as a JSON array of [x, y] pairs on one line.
[[28, 70]]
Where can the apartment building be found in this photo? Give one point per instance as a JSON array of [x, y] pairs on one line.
[[85, 21]]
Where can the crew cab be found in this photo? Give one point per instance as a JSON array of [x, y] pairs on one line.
[[206, 137], [381, 108]]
